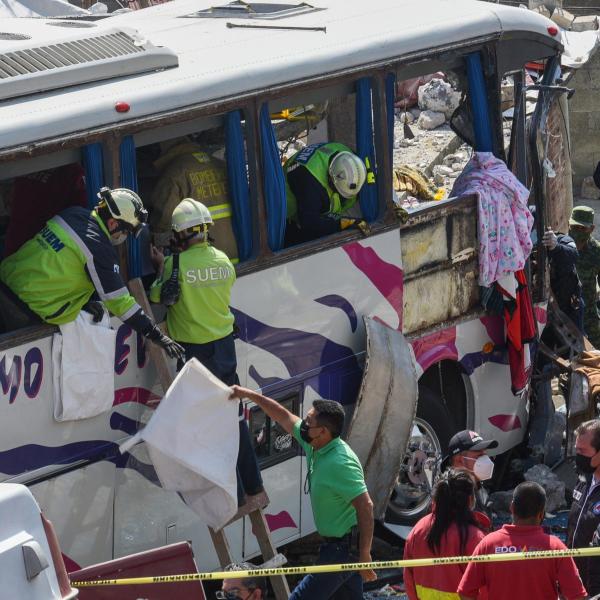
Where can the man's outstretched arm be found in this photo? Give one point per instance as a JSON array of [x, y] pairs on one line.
[[272, 408]]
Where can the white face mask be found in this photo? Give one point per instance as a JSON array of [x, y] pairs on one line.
[[117, 240], [483, 468]]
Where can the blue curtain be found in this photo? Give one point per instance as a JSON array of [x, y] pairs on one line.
[[273, 181], [365, 148], [479, 104], [237, 182], [129, 180], [94, 171], [390, 99]]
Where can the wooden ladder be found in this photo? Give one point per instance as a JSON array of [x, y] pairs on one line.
[[254, 504], [254, 510]]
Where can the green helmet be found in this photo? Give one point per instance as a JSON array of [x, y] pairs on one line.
[[126, 207], [190, 213]]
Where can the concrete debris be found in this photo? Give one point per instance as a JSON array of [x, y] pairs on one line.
[[456, 167], [430, 119], [586, 23], [542, 10], [442, 170], [415, 112], [439, 178], [589, 191], [438, 96], [555, 488], [563, 18]]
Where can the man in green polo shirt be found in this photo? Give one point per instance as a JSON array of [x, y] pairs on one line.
[[338, 494]]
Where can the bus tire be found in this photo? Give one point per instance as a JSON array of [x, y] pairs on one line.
[[432, 429]]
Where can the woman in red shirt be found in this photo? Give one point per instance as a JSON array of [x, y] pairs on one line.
[[452, 529]]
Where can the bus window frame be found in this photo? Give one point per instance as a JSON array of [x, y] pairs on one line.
[[408, 65]]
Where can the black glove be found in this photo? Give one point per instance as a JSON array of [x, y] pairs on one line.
[[95, 308], [172, 348]]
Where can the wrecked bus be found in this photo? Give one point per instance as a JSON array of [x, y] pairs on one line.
[[108, 98]]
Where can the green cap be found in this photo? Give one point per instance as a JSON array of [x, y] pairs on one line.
[[582, 215]]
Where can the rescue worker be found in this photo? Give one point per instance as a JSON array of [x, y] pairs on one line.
[[247, 588], [322, 184], [195, 285], [467, 450], [522, 580], [564, 280], [584, 517], [338, 494], [58, 272], [187, 171], [452, 529], [581, 226]]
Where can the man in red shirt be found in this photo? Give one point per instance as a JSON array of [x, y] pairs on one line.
[[540, 579]]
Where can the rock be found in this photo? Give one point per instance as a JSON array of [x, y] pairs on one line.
[[587, 23], [589, 191], [499, 502], [438, 96], [405, 143], [415, 112], [555, 488], [442, 170], [439, 179], [543, 10], [457, 166], [563, 18], [430, 119]]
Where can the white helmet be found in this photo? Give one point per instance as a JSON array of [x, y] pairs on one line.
[[348, 173], [190, 213], [126, 207]]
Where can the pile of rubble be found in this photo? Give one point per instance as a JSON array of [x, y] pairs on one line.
[[563, 18], [424, 140]]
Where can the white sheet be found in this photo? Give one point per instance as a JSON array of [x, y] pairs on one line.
[[193, 440], [83, 360]]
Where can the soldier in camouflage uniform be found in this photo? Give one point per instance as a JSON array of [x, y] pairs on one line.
[[581, 225]]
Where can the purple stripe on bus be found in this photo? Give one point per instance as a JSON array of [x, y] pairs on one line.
[[335, 301]]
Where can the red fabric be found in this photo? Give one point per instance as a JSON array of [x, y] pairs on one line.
[[520, 329], [446, 578], [38, 197], [522, 580]]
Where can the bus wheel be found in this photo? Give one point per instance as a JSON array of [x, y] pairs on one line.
[[431, 432]]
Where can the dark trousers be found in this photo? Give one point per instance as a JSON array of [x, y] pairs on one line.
[[337, 586], [219, 358]]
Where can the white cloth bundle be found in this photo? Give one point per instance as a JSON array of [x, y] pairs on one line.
[[83, 361], [192, 439]]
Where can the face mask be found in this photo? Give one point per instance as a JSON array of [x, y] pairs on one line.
[[304, 431], [483, 468], [583, 464], [580, 237], [117, 240]]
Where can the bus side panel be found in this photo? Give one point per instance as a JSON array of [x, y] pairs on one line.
[[33, 443], [147, 516]]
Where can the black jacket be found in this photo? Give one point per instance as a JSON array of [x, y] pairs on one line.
[[584, 518]]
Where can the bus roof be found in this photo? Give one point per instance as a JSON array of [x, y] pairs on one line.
[[217, 61]]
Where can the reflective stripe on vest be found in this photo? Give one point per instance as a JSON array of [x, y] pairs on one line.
[[427, 593], [220, 211]]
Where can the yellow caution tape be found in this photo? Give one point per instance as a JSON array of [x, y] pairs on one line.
[[388, 564]]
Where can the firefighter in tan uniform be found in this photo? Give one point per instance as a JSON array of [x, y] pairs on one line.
[[187, 171]]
